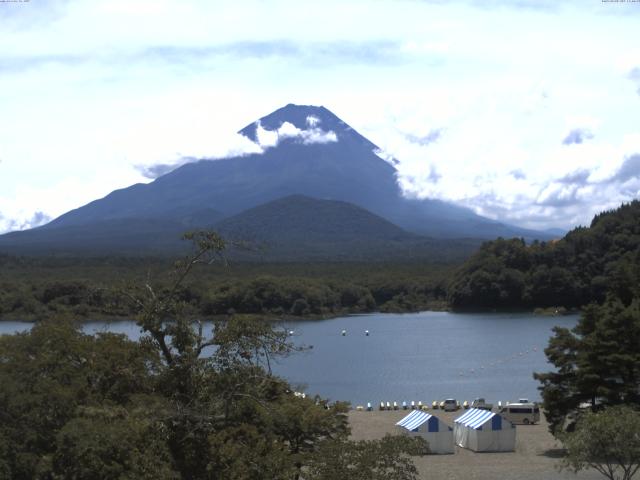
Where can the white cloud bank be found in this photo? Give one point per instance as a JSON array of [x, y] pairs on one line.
[[288, 131]]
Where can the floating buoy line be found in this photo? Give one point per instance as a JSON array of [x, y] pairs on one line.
[[494, 363]]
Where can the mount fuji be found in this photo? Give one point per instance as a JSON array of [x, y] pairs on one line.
[[307, 154]]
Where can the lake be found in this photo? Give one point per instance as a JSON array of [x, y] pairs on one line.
[[417, 356]]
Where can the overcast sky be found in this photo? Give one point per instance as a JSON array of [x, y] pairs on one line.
[[527, 111]]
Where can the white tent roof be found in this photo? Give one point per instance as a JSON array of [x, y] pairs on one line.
[[414, 420], [475, 418]]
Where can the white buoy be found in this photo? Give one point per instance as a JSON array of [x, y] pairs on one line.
[[344, 333], [290, 332], [366, 332]]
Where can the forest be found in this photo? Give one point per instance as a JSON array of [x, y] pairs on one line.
[[570, 273], [581, 268], [36, 287]]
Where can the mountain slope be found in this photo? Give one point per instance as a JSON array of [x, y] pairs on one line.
[[301, 228], [316, 154]]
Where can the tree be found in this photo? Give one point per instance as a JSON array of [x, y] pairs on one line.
[[597, 362], [48, 375], [113, 444], [607, 441], [384, 459]]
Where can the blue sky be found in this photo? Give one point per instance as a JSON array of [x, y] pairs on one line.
[[525, 111]]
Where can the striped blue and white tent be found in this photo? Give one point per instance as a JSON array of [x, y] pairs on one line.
[[484, 431], [438, 434]]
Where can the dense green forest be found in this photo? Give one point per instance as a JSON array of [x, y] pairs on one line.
[[41, 287], [571, 272], [574, 271]]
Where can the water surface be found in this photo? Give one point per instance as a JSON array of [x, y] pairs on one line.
[[418, 356]]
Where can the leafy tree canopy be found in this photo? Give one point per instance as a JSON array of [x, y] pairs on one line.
[[597, 362], [608, 441], [583, 267]]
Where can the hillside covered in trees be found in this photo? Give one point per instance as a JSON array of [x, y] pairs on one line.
[[579, 269]]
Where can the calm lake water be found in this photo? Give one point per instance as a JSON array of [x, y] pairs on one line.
[[419, 356]]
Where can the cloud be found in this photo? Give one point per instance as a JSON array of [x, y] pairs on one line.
[[577, 136], [559, 195], [37, 219], [265, 139], [16, 64], [159, 169], [579, 177], [634, 75], [434, 176], [288, 131], [312, 121], [427, 139], [630, 169], [373, 52], [518, 174], [23, 15]]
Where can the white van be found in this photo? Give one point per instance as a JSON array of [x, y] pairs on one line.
[[525, 413]]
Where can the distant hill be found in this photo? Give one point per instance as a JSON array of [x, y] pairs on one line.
[[294, 228], [583, 267], [317, 154], [301, 228]]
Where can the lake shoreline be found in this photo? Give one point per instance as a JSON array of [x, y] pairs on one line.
[[542, 312]]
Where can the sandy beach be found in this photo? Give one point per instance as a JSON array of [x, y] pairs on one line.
[[536, 456]]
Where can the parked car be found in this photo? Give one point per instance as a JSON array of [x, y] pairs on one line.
[[482, 404], [450, 405]]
